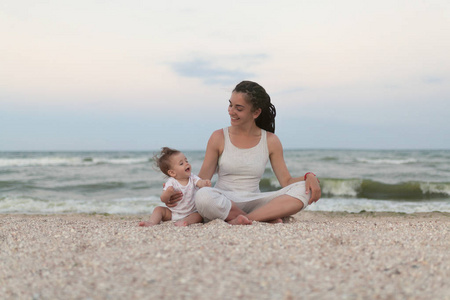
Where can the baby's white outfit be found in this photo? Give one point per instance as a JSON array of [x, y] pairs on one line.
[[186, 205]]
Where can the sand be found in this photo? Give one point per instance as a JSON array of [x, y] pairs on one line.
[[315, 256]]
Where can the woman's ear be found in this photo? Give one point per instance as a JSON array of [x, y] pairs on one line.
[[256, 113]]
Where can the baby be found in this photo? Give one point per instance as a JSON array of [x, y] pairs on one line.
[[174, 164]]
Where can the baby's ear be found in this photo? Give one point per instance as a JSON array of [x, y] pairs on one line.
[[171, 173]]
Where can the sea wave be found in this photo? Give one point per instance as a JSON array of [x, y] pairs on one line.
[[21, 186], [370, 189], [384, 161], [69, 161]]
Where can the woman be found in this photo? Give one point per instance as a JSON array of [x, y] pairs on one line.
[[240, 153]]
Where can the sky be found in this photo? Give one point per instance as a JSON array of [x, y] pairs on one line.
[[140, 75]]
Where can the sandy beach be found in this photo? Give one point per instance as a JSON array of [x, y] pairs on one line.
[[315, 255]]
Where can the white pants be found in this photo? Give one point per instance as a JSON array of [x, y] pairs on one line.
[[214, 203]]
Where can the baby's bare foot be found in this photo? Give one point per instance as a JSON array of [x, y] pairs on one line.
[[146, 224], [181, 223]]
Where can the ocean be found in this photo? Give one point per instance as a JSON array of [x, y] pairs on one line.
[[403, 181]]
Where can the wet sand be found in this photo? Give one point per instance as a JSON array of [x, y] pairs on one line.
[[315, 255]]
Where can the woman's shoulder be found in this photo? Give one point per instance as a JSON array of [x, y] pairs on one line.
[[216, 140], [273, 142], [217, 135], [272, 137]]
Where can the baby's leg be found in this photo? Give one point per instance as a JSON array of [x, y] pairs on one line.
[[159, 214], [191, 219]]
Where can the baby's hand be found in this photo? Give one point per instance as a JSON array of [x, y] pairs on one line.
[[203, 183]]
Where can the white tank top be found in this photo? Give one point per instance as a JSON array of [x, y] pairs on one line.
[[242, 169]]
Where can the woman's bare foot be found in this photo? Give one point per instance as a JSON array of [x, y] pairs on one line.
[[240, 220], [147, 224], [276, 221]]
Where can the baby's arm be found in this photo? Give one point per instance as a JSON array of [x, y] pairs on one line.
[[202, 183]]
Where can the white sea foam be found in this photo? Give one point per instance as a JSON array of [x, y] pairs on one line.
[[122, 161], [68, 161], [341, 188], [40, 161], [359, 205], [435, 188], [29, 205], [386, 161]]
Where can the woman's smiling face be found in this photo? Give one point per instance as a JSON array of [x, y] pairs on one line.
[[240, 110]]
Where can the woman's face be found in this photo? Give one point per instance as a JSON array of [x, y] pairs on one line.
[[240, 110]]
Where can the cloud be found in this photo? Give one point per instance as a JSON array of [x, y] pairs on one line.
[[433, 80], [213, 74], [293, 90], [210, 74]]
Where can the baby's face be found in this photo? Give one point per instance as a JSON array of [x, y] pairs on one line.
[[180, 166]]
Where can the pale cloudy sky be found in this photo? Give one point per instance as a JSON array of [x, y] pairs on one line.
[[139, 75]]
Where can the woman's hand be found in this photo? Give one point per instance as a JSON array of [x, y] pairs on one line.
[[173, 199], [312, 184]]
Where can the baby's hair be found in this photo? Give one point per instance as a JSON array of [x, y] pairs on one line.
[[162, 159]]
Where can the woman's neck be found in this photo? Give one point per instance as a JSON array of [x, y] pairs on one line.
[[244, 138], [250, 130]]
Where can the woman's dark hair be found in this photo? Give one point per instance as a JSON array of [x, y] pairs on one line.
[[162, 160], [258, 97]]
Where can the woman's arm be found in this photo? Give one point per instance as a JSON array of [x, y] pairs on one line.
[[282, 173], [277, 161], [213, 151]]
